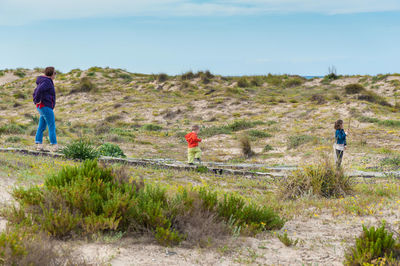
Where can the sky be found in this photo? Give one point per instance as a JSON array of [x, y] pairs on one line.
[[227, 37]]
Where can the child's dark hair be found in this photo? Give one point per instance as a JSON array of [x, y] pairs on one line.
[[338, 124], [195, 127]]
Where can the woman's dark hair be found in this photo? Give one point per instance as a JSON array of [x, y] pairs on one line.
[[338, 124], [49, 71]]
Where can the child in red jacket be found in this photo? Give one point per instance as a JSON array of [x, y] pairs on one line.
[[194, 152]]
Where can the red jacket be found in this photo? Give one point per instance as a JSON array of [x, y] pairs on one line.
[[192, 139]]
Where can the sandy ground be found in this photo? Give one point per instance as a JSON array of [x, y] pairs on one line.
[[5, 197], [323, 240], [8, 77]]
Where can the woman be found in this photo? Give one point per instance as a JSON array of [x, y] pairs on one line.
[[340, 144], [44, 97]]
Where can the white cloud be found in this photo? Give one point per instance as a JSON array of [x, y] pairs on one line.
[[23, 11]]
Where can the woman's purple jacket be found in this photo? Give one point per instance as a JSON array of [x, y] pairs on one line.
[[45, 92]]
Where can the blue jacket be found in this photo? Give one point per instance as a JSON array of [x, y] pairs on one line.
[[340, 137], [45, 92]]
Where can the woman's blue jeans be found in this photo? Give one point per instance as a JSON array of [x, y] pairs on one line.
[[46, 119]]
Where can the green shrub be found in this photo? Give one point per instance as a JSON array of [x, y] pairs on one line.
[[112, 150], [21, 246], [331, 76], [235, 126], [286, 240], [257, 81], [243, 82], [298, 140], [20, 95], [162, 77], [188, 76], [152, 127], [389, 123], [1, 73], [293, 82], [267, 148], [80, 149], [372, 97], [367, 119], [12, 128], [391, 162], [258, 134], [126, 77], [374, 247], [167, 236], [274, 80], [20, 73], [322, 179], [318, 98], [90, 199], [13, 139], [85, 85], [354, 88], [205, 79]]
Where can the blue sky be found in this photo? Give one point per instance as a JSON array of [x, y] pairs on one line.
[[229, 37]]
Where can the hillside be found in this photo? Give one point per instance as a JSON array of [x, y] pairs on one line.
[[288, 119]]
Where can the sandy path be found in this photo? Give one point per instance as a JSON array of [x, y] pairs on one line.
[[5, 197]]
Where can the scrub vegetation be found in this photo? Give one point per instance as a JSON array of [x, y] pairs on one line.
[[79, 211]]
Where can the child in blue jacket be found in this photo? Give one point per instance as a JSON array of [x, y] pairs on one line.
[[340, 143]]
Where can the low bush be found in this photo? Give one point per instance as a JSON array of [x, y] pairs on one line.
[[367, 119], [90, 199], [19, 246], [19, 73], [245, 146], [188, 76], [243, 82], [13, 139], [125, 77], [323, 179], [354, 88], [162, 77], [293, 82], [113, 118], [286, 240], [267, 148], [389, 123], [318, 98], [12, 128], [274, 80], [393, 163], [235, 126], [298, 140], [112, 150], [258, 134], [374, 247], [80, 149], [257, 81], [372, 97], [152, 127], [84, 85]]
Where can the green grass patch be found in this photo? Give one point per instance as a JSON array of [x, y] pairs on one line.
[[298, 140]]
